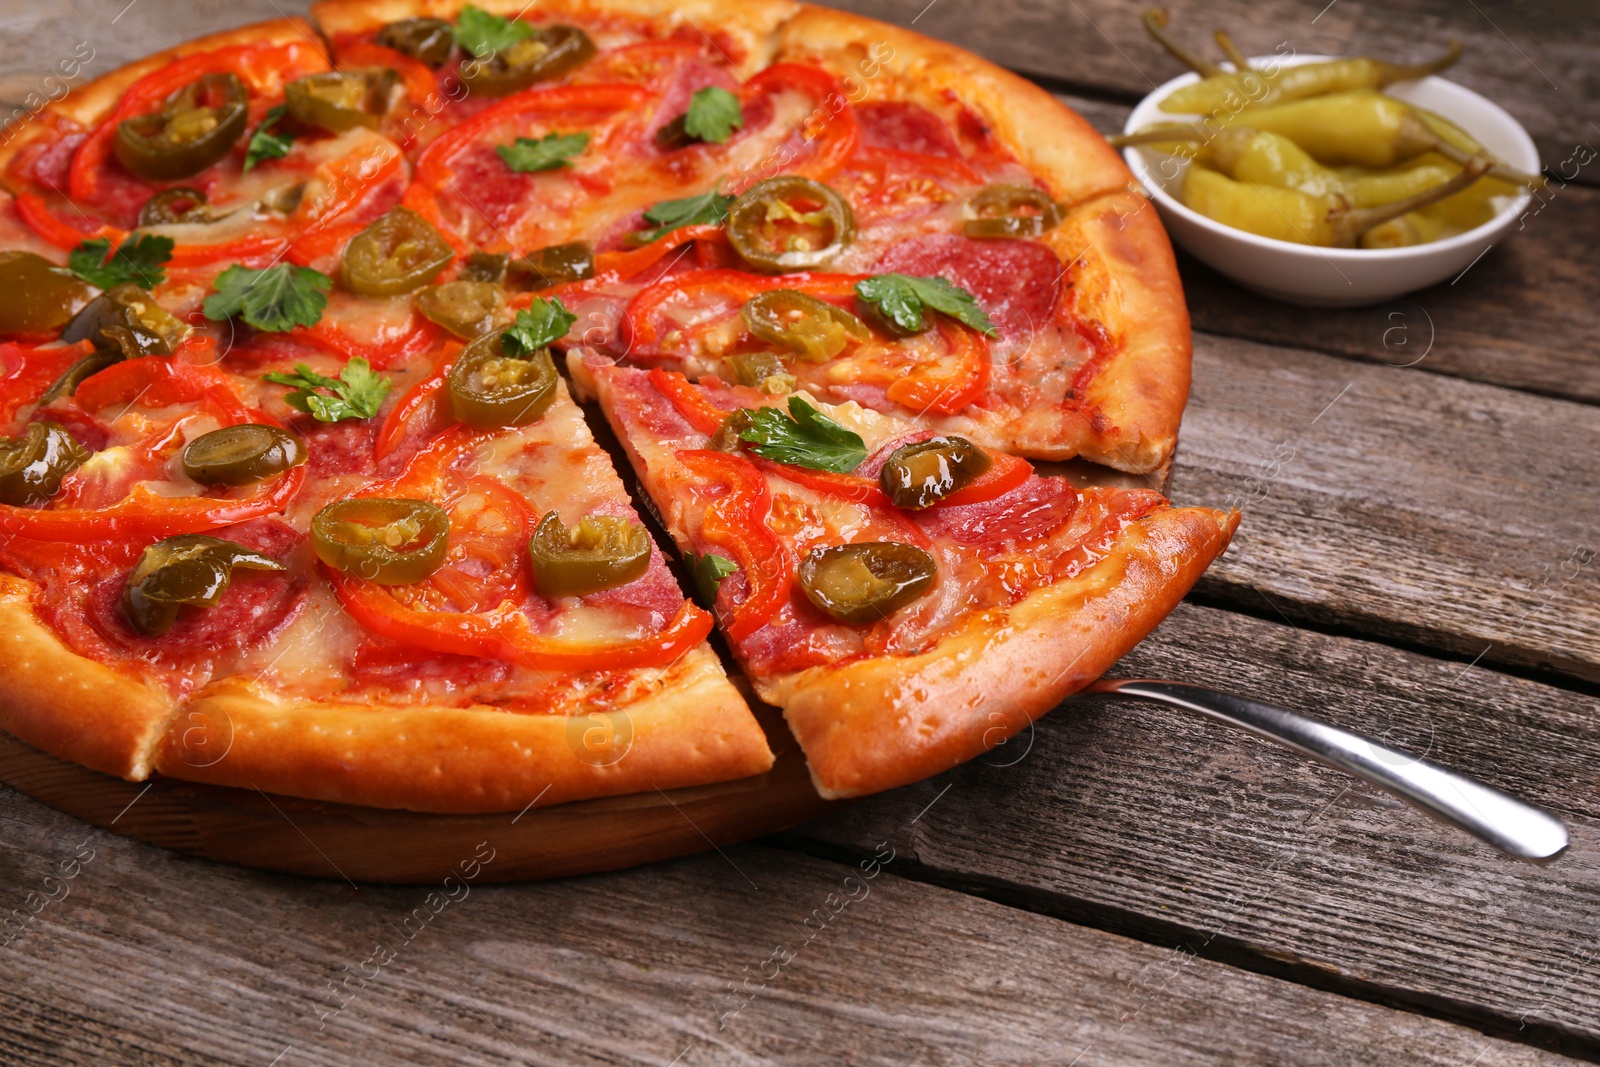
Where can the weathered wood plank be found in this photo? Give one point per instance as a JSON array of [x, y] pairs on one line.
[[1411, 506], [154, 958], [1143, 820], [1524, 316], [1536, 62]]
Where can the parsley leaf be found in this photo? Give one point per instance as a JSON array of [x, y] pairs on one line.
[[138, 261], [484, 34], [276, 299], [707, 572], [902, 298], [711, 207], [807, 439], [537, 326], [553, 150], [713, 115], [355, 394], [264, 144]]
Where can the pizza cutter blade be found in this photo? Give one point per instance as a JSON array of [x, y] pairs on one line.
[[1514, 827]]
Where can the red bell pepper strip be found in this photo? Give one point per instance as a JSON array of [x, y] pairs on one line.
[[735, 520], [27, 371], [831, 130], [397, 424], [506, 634], [947, 385], [1006, 472], [689, 400], [641, 322]]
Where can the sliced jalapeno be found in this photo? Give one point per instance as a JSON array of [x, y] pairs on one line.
[[862, 583], [36, 295], [789, 223], [196, 126], [340, 100], [175, 205], [1011, 211], [553, 265], [489, 388], [600, 552], [765, 371], [485, 267], [548, 54], [241, 454], [428, 40], [122, 323], [190, 569], [32, 466], [730, 435], [384, 540], [399, 252], [466, 309], [812, 329], [919, 475]]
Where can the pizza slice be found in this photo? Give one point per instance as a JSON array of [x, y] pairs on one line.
[[206, 580], [908, 598]]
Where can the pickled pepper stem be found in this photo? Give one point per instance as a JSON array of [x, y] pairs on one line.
[[1173, 131], [1399, 72], [1155, 21], [1231, 50], [1497, 169], [1348, 224]]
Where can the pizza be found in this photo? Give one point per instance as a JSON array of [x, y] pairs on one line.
[[295, 494]]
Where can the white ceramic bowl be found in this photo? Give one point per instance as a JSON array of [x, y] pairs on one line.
[[1335, 277]]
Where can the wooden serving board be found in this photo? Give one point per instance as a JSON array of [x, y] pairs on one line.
[[357, 844]]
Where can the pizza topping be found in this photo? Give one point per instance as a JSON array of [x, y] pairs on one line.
[[1011, 211], [902, 299], [918, 475], [735, 519], [527, 155], [706, 209], [429, 40], [32, 466], [268, 142], [765, 371], [397, 253], [600, 552], [195, 127], [191, 569], [555, 265], [355, 394], [708, 571], [812, 329], [466, 308], [539, 325], [241, 454], [490, 388], [806, 437], [138, 262], [177, 205], [390, 541], [276, 299], [1018, 284], [713, 114], [859, 584], [37, 296], [789, 223], [499, 68], [340, 100]]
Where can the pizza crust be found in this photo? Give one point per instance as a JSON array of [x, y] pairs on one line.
[[889, 721], [693, 730], [90, 103], [67, 704]]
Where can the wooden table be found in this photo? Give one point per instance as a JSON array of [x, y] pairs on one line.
[[1420, 482]]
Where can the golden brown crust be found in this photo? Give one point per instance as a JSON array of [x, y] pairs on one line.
[[879, 723], [693, 729], [88, 104], [1046, 136], [743, 32], [69, 705], [1124, 277]]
